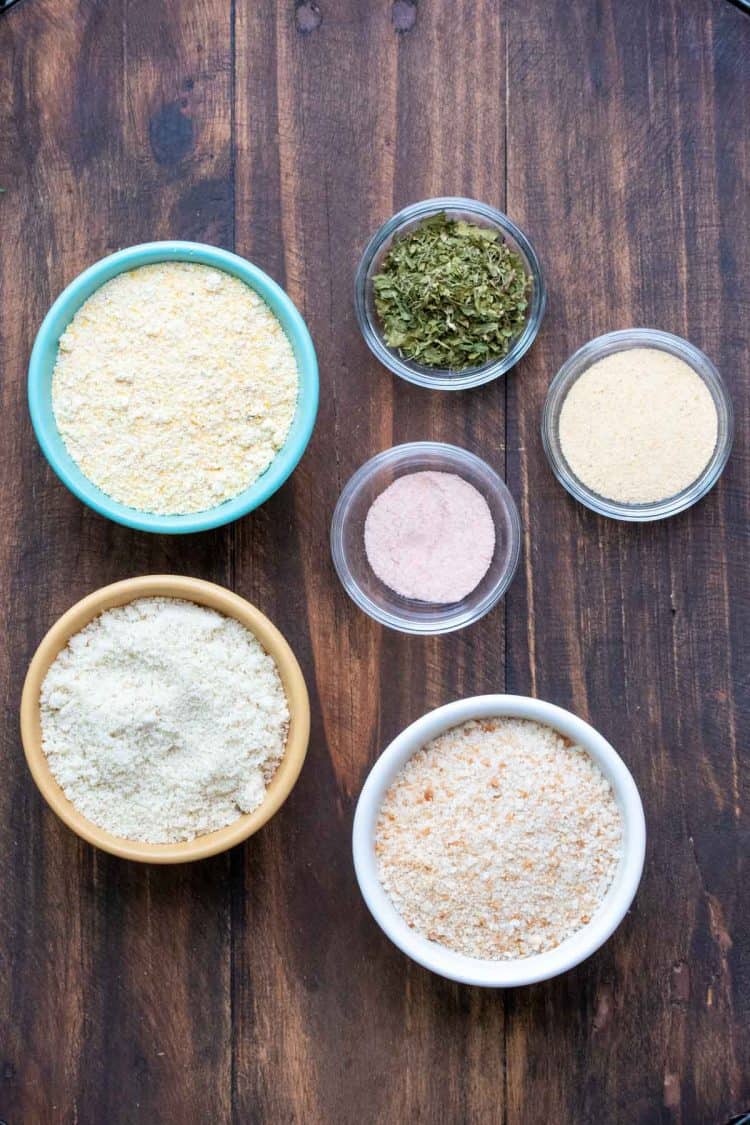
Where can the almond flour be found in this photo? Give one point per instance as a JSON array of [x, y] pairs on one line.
[[163, 720], [174, 387], [638, 426], [498, 839]]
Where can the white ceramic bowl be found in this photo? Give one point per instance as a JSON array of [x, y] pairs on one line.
[[473, 970]]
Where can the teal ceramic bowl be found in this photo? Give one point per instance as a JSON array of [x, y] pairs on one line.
[[44, 354]]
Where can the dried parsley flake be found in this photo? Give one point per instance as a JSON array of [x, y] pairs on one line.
[[452, 295]]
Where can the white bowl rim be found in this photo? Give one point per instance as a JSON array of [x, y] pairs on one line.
[[471, 970]]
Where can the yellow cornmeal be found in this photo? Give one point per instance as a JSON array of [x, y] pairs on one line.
[[174, 387], [637, 426]]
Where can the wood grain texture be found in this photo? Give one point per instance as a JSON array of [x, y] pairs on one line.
[[116, 129], [255, 987], [637, 628]]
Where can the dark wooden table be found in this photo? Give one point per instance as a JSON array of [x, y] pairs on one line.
[[255, 987]]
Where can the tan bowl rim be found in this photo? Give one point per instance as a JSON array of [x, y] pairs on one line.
[[203, 593]]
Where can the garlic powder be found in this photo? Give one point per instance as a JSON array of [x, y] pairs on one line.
[[638, 426], [174, 387], [163, 720]]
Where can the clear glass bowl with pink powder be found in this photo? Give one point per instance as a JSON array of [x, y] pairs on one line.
[[348, 540]]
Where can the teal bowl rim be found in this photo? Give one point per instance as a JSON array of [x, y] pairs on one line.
[[42, 362]]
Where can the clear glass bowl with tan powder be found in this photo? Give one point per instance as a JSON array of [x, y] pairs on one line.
[[665, 441]]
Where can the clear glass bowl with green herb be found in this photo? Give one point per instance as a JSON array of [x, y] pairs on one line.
[[449, 293]]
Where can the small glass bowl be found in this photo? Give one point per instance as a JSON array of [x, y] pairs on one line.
[[364, 302], [348, 538], [579, 362]]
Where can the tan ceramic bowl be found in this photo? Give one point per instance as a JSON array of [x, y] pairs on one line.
[[204, 593]]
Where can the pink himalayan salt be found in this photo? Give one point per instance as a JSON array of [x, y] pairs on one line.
[[430, 536]]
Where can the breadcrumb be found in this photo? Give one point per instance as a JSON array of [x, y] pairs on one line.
[[499, 839]]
